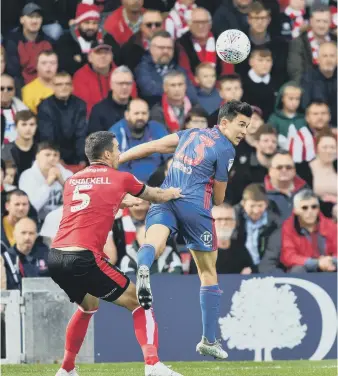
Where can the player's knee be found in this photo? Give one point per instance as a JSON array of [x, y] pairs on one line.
[[208, 277]]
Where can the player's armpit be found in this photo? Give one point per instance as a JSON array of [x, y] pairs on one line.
[[219, 192], [159, 195], [165, 145]]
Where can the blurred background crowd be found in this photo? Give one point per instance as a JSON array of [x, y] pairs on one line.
[[146, 68]]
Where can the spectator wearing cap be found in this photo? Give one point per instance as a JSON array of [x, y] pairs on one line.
[[155, 65], [111, 109], [175, 105], [135, 129], [255, 168], [320, 83], [27, 258], [138, 44], [309, 240], [10, 105], [62, 120], [281, 183], [125, 21], [24, 46], [303, 50], [42, 87], [92, 81], [198, 45], [73, 47], [177, 21]]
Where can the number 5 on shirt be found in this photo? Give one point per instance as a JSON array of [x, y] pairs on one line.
[[83, 197]]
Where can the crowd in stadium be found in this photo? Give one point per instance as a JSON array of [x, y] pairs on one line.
[[145, 69]]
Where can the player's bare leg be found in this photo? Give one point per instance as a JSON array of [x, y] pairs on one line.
[[210, 295], [75, 334], [155, 242]]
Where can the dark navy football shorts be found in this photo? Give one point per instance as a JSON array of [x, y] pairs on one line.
[[194, 223]]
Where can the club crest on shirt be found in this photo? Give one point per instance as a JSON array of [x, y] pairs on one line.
[[230, 163]]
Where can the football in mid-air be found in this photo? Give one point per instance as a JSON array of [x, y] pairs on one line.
[[233, 46]]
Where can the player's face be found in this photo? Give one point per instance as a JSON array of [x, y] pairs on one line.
[[225, 222], [267, 144], [18, 206], [255, 123], [308, 211], [254, 209], [113, 157], [291, 98], [26, 128], [235, 130], [318, 116]]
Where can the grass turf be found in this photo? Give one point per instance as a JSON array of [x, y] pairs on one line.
[[278, 368]]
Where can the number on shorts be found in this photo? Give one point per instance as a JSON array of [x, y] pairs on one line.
[[199, 149], [78, 196]]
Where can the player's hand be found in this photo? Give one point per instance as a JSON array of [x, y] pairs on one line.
[[130, 201], [173, 193]]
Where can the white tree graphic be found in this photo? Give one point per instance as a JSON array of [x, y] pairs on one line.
[[263, 317]]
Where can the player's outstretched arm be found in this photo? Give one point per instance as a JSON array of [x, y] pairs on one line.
[[165, 145], [158, 195]]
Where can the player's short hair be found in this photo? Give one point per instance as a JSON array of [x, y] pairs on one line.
[[15, 192], [261, 51], [255, 192], [162, 34], [230, 77], [233, 108], [97, 143], [265, 129], [257, 7], [325, 132], [45, 145], [204, 66], [24, 115], [173, 74], [196, 111]]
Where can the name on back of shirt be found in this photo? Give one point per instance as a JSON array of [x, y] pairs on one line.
[[90, 181]]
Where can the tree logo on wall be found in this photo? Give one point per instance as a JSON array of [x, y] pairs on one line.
[[254, 325]]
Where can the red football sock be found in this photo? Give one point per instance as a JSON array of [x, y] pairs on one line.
[[146, 332], [75, 334]]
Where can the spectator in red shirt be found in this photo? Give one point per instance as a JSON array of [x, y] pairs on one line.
[[309, 240], [92, 81], [24, 46], [199, 46], [125, 21]]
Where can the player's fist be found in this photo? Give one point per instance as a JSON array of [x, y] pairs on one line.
[[130, 201]]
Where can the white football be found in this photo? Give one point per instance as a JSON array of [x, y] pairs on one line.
[[233, 46]]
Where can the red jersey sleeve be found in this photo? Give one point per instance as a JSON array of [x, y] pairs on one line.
[[132, 185]]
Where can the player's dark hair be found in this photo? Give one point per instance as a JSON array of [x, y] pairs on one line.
[[24, 115], [97, 143], [233, 108], [15, 192], [45, 145], [196, 112], [265, 129]]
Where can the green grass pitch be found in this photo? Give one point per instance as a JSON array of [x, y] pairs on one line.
[[277, 368]]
